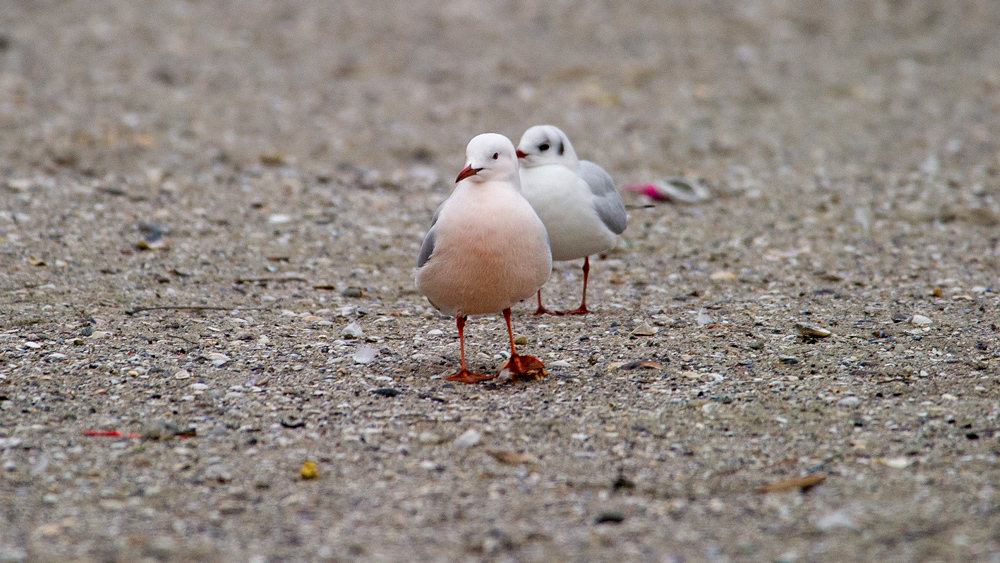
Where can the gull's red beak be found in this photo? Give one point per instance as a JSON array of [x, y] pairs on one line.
[[466, 172], [521, 154]]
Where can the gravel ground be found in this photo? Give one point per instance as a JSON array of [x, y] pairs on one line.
[[209, 208]]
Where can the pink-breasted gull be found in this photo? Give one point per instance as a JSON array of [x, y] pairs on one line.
[[486, 249]]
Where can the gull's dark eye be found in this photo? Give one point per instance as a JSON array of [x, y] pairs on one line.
[[496, 155], [543, 147]]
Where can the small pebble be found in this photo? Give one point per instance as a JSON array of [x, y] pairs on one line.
[[469, 438], [836, 520], [159, 430], [218, 359], [310, 470], [559, 364], [609, 518], [703, 318], [809, 330], [897, 462], [353, 292], [849, 402], [722, 275], [182, 374], [429, 438], [644, 330], [352, 330], [364, 354], [920, 320], [790, 360]]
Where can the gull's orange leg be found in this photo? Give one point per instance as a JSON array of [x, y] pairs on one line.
[[522, 368], [464, 375], [582, 310], [541, 309]]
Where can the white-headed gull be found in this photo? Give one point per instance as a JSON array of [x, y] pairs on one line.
[[576, 199], [486, 249]]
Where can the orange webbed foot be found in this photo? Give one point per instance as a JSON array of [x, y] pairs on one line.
[[466, 376], [583, 310], [544, 311], [525, 368]]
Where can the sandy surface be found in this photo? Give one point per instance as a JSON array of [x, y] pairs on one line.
[[280, 162]]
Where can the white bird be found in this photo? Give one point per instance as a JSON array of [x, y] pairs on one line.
[[576, 199], [486, 249]]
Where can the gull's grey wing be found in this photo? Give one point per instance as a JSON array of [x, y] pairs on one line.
[[609, 205], [426, 249], [437, 212]]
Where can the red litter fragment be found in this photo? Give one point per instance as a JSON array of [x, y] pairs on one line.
[[109, 434]]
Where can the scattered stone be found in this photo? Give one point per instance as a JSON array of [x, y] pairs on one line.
[[644, 365], [429, 438], [920, 320], [386, 392], [809, 330], [790, 360], [560, 364], [161, 430], [609, 518], [87, 331], [702, 319], [897, 462], [849, 402], [834, 520], [182, 374], [218, 359], [292, 421], [310, 470], [469, 438], [364, 354], [353, 292], [511, 458], [800, 483], [352, 330], [644, 330], [722, 275]]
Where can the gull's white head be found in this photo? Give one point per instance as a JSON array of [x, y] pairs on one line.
[[545, 144], [489, 157]]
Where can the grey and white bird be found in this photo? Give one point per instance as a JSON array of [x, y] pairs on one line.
[[486, 249], [575, 199]]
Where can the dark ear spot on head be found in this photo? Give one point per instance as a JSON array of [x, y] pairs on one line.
[[562, 149]]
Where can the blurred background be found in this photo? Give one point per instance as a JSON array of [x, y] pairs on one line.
[[646, 88]]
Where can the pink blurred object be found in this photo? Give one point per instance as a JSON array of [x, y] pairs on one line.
[[671, 189]]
